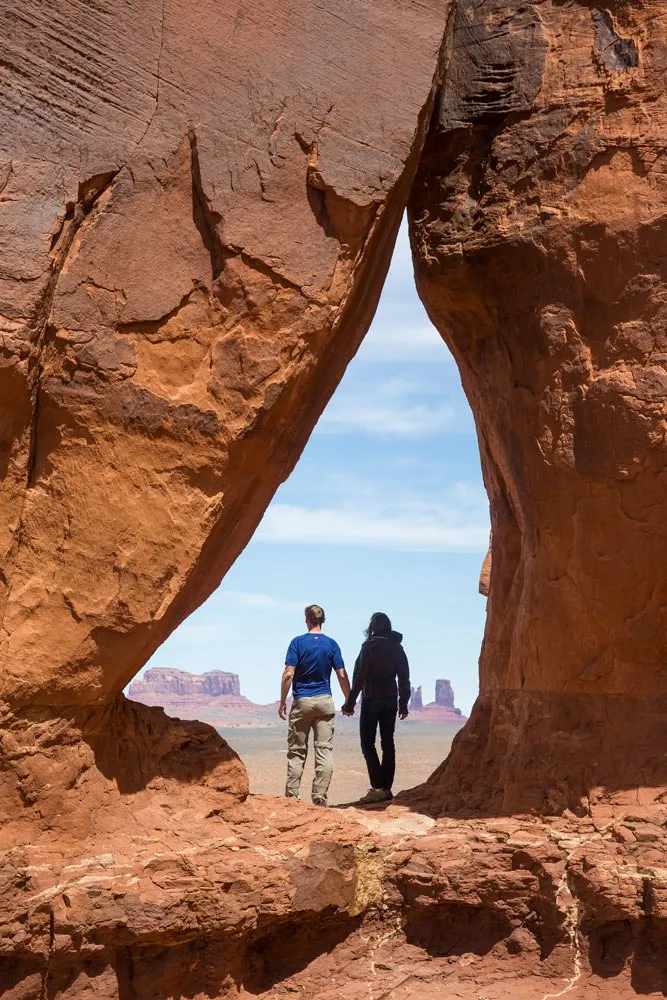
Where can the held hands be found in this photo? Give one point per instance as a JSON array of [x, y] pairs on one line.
[[282, 711], [346, 710]]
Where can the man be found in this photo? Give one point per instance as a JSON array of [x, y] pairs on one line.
[[308, 665], [382, 673]]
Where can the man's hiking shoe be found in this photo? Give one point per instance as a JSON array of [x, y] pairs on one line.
[[375, 795], [320, 802]]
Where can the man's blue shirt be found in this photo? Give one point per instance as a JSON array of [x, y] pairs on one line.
[[313, 655]]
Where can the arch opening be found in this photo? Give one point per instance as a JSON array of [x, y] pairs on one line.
[[385, 509]]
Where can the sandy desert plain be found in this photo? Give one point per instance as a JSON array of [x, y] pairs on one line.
[[420, 747]]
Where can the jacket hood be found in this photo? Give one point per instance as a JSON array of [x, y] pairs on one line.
[[393, 636]]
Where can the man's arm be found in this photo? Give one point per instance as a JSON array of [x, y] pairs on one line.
[[403, 673], [285, 685], [344, 682]]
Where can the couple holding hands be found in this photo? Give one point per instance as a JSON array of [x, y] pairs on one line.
[[382, 677]]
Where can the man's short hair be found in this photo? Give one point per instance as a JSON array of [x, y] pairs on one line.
[[315, 614]]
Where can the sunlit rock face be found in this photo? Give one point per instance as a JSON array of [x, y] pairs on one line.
[[197, 217], [197, 212], [538, 230], [198, 202]]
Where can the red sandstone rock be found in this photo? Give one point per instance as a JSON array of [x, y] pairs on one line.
[[181, 293], [198, 205], [197, 209], [485, 573], [538, 229], [286, 897]]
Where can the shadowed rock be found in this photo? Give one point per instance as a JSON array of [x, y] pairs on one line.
[[538, 228]]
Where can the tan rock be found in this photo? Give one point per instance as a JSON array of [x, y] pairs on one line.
[[280, 896]]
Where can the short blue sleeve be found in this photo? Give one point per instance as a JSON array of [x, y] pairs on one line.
[[337, 656], [292, 658]]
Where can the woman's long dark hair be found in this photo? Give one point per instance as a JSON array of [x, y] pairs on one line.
[[379, 623]]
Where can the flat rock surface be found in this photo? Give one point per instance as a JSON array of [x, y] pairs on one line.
[[396, 902]]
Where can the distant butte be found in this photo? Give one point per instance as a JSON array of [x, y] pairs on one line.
[[440, 710], [214, 697], [167, 681]]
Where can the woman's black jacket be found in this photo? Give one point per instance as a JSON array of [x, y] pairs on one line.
[[380, 665]]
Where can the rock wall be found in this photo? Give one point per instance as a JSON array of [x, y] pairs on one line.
[[197, 211], [191, 275], [198, 202], [538, 229]]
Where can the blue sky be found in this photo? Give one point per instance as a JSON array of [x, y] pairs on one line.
[[385, 511]]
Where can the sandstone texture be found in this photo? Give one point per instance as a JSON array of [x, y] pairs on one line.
[[198, 203], [539, 225], [485, 573], [279, 898], [198, 211]]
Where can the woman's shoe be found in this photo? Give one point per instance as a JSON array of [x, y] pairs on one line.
[[374, 795]]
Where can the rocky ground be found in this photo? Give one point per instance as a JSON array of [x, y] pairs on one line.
[[199, 205], [282, 898]]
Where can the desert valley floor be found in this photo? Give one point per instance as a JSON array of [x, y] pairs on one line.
[[420, 747]]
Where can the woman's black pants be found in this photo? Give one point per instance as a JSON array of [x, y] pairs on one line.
[[379, 712]]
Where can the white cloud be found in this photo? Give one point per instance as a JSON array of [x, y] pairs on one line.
[[201, 634], [266, 602], [392, 408], [414, 526], [406, 421], [389, 340]]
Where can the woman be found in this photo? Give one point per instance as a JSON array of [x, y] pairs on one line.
[[382, 676]]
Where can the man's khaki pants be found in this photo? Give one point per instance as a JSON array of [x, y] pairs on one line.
[[316, 713]]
